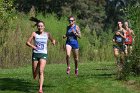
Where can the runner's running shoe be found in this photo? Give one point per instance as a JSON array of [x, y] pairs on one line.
[[76, 72], [68, 70]]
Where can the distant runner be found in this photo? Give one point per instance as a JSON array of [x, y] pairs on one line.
[[129, 39], [72, 33], [39, 46], [119, 45]]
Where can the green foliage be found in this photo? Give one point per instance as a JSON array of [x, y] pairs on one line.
[[133, 17], [7, 14], [116, 10], [13, 51], [114, 13], [6, 11], [99, 45]]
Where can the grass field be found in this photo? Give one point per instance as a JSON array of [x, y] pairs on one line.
[[93, 78]]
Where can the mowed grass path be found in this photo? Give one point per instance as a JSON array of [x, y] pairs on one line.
[[93, 78]]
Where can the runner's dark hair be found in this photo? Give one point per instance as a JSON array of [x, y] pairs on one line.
[[35, 20]]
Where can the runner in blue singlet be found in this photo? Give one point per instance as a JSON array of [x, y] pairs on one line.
[[72, 33], [39, 55]]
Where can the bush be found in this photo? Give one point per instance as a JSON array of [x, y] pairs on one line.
[[132, 66]]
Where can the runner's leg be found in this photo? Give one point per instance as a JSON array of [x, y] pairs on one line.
[[41, 73], [76, 59], [68, 52], [116, 55], [35, 67], [126, 50]]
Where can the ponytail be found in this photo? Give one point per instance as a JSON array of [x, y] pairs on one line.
[[36, 20]]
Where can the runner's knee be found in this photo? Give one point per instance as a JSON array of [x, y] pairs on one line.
[[68, 56], [116, 53], [76, 59], [41, 72]]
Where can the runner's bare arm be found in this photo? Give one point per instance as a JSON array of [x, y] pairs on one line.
[[78, 33], [64, 36], [124, 33], [132, 32], [28, 43], [50, 38], [123, 36], [114, 42]]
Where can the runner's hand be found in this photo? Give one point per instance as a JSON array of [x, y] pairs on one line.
[[118, 33], [34, 47], [73, 32], [53, 42], [64, 36]]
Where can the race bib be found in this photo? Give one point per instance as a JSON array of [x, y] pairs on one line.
[[127, 40], [40, 45], [119, 39]]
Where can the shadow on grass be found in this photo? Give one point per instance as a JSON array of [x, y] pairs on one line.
[[12, 84], [102, 69], [101, 76], [20, 85], [104, 75]]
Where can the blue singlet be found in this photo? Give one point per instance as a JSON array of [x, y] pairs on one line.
[[71, 37]]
